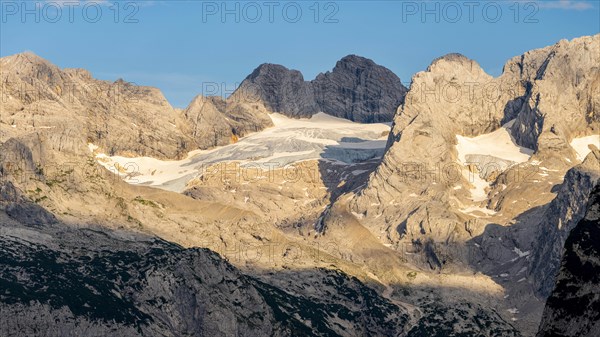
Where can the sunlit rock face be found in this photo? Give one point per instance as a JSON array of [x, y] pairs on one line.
[[454, 224], [436, 189], [449, 106], [73, 108]]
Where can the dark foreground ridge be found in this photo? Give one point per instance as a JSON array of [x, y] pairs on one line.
[[573, 308]]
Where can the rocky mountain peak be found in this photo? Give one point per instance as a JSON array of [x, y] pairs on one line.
[[354, 61], [279, 89], [271, 69], [558, 100], [455, 63], [26, 57], [357, 89], [452, 57], [443, 105], [29, 65]]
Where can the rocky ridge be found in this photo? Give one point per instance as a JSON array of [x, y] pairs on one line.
[[356, 89], [416, 232], [121, 118], [72, 281], [130, 120], [422, 158], [573, 306], [423, 197]]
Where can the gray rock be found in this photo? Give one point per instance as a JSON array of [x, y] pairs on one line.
[[489, 166], [89, 281], [357, 89], [280, 89], [573, 308], [30, 214], [561, 216]]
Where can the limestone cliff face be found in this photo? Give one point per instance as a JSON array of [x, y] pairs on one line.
[[560, 101], [357, 89], [421, 152], [422, 198], [213, 121], [120, 117], [573, 308], [454, 96]]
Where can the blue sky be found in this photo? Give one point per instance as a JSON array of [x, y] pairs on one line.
[[187, 47]]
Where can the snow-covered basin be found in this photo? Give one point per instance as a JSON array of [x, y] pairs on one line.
[[288, 141], [580, 145], [499, 144]]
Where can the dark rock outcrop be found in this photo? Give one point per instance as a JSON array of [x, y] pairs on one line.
[[280, 89], [357, 89], [573, 308], [360, 90], [562, 215]]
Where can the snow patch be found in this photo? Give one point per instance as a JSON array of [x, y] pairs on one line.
[[358, 215], [478, 192], [92, 147], [321, 137], [499, 144], [580, 145]]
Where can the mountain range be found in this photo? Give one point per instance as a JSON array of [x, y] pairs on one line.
[[346, 205]]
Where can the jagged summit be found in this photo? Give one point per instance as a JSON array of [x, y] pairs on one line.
[[452, 57], [356, 60], [74, 108], [462, 220], [27, 56], [271, 68], [356, 89], [455, 60]]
